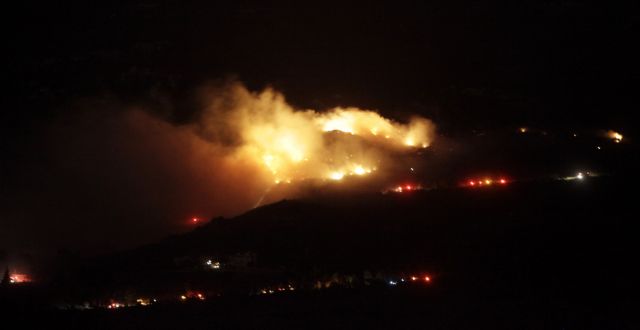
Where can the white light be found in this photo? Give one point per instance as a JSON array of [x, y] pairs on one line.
[[580, 176], [392, 283]]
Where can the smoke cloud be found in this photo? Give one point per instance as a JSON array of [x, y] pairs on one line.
[[112, 179]]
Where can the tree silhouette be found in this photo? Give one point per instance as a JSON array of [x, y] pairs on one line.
[[6, 279]]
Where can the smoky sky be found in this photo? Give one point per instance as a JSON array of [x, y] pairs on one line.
[[109, 174], [105, 178], [101, 94]]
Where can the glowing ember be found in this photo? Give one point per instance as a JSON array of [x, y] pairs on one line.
[[615, 136], [359, 170], [336, 176], [19, 278]]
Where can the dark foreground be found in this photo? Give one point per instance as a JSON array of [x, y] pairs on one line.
[[543, 255], [354, 309]]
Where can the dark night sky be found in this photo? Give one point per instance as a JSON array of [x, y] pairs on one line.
[[466, 65]]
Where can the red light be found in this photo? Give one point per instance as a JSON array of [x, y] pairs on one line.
[[194, 220], [427, 279], [480, 183], [408, 187], [503, 181], [471, 183]]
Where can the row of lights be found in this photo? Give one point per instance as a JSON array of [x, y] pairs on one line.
[[426, 279], [487, 182]]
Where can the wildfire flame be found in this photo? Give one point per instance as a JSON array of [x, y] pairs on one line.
[[292, 144], [615, 136]]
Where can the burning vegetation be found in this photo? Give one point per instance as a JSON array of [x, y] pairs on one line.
[[289, 144]]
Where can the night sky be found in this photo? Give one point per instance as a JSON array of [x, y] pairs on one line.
[[78, 171]]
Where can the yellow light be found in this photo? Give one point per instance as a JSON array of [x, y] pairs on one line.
[[487, 181], [183, 297], [359, 170], [409, 142], [523, 129], [336, 176], [617, 137]]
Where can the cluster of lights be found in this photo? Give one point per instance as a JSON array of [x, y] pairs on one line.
[[406, 188], [264, 291], [192, 295], [413, 278], [213, 264], [139, 302], [145, 301], [486, 182], [115, 305]]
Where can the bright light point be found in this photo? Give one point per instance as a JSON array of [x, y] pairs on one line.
[[411, 169], [580, 176], [409, 142], [487, 181], [183, 297], [359, 170], [392, 283], [427, 279], [194, 220], [425, 145], [337, 176], [472, 183], [503, 181], [617, 137], [598, 147], [413, 278], [523, 129], [408, 187]]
